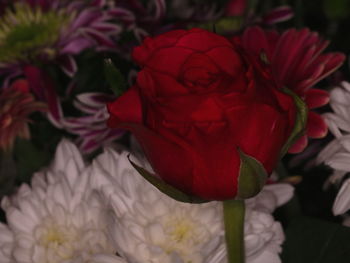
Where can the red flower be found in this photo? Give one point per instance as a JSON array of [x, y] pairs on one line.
[[297, 63], [16, 104], [199, 102]]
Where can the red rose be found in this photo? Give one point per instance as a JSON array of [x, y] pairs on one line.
[[197, 103]]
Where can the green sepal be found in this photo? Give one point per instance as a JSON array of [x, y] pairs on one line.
[[114, 78], [300, 121], [223, 25], [252, 177], [166, 188]]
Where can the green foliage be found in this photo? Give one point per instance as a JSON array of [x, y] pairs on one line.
[[336, 9], [29, 159], [315, 241], [114, 78]]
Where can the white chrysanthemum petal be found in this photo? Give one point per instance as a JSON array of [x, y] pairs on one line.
[[65, 152], [282, 192], [6, 244], [328, 151], [265, 257], [342, 201], [340, 161]]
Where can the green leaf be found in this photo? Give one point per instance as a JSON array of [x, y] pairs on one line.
[[316, 241], [252, 177], [336, 9], [166, 188], [29, 159], [114, 78], [300, 121]]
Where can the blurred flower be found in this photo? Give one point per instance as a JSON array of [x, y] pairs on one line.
[[91, 128], [47, 30], [235, 7], [58, 219], [16, 104], [150, 226], [297, 63], [6, 243], [139, 18]]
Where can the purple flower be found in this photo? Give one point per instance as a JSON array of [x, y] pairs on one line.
[[91, 128], [33, 31]]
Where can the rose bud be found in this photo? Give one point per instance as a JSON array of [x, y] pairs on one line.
[[210, 118]]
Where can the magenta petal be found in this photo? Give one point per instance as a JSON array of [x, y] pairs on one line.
[[107, 28], [100, 38], [86, 17], [68, 65], [278, 14], [122, 14], [77, 45]]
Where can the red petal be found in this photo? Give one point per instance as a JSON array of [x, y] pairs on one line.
[[227, 59], [255, 40], [260, 131], [152, 83], [202, 40], [141, 53], [126, 108], [316, 126], [315, 98], [299, 145], [168, 60]]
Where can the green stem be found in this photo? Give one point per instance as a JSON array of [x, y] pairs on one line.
[[234, 228]]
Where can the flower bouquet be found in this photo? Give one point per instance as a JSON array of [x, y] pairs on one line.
[[174, 131]]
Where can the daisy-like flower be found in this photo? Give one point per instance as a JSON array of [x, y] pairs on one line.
[[337, 153], [298, 63], [58, 219], [16, 105], [91, 128], [151, 227], [52, 30]]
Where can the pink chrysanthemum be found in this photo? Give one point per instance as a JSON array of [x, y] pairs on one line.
[[16, 104], [33, 31], [297, 63]]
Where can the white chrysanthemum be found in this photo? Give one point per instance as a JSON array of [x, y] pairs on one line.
[[263, 237], [59, 219], [337, 153], [151, 227], [6, 243], [271, 197]]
